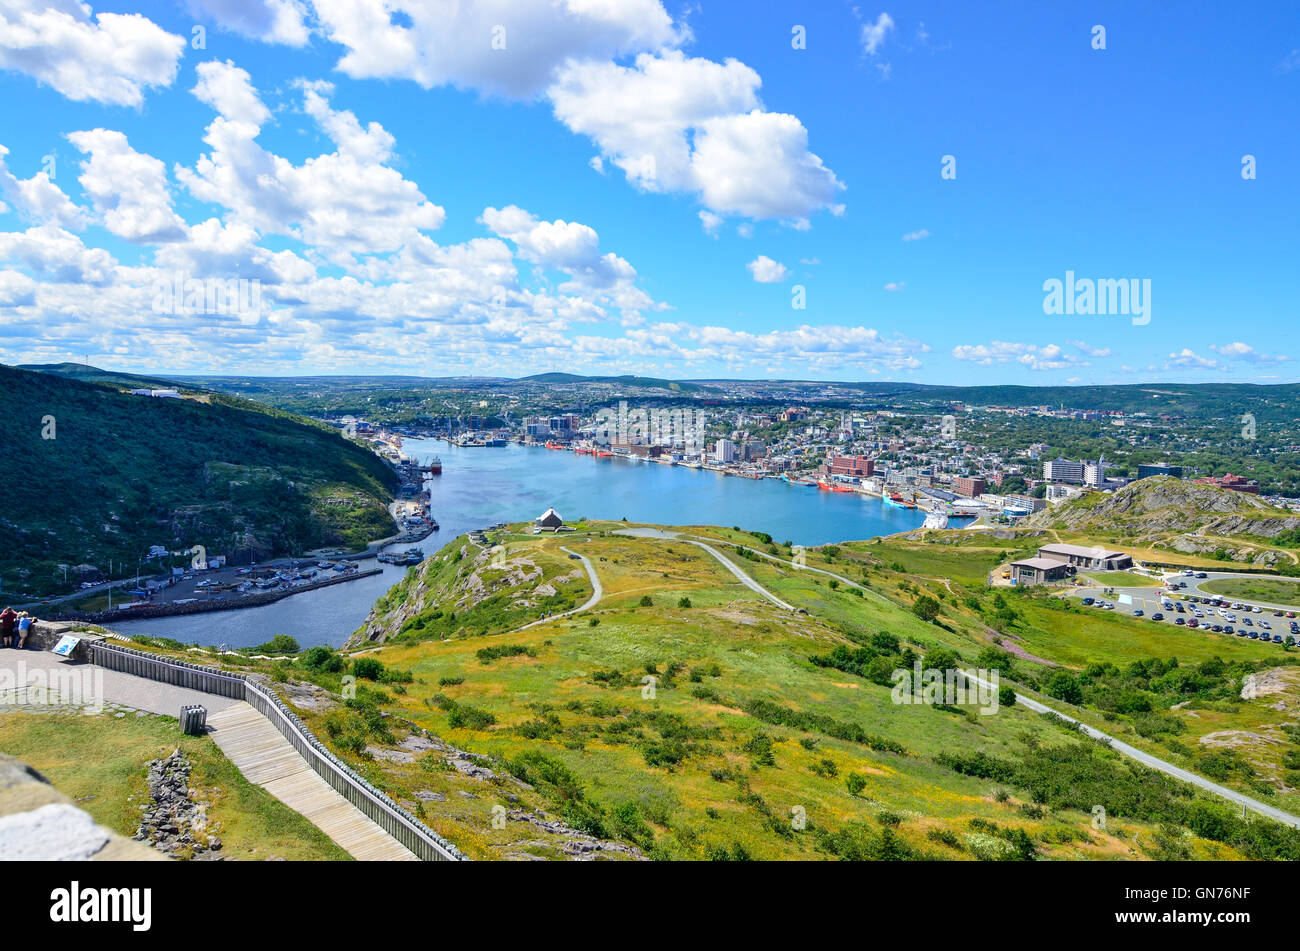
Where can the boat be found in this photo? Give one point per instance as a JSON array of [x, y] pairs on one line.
[[897, 501], [553, 445], [935, 520], [603, 453], [804, 482], [841, 487], [434, 466]]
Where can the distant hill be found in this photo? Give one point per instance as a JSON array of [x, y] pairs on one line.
[[89, 374], [644, 382], [1181, 515], [122, 473]]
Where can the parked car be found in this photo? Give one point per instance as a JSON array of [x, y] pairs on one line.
[[1202, 574], [1138, 613], [1088, 600], [1157, 616], [1179, 620]]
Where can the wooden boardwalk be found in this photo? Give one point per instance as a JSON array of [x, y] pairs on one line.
[[266, 758]]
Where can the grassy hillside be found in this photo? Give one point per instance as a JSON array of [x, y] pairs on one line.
[[687, 716], [123, 472]]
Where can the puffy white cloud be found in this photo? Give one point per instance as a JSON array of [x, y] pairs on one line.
[[574, 249], [873, 34], [805, 347], [1188, 359], [767, 271], [346, 202], [127, 188], [272, 21], [109, 58], [16, 290], [38, 198], [920, 235], [1248, 354], [229, 90], [506, 47], [895, 286], [673, 123], [1031, 356], [1089, 349], [56, 255]]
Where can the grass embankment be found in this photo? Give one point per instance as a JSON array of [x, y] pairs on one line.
[[101, 762], [1270, 590]]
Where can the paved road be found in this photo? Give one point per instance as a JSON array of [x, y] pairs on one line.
[[1156, 763], [726, 562]]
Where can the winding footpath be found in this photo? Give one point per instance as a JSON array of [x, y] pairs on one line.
[[726, 562], [597, 592]]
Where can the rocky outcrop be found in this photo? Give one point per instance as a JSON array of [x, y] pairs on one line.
[[1155, 508], [174, 822]]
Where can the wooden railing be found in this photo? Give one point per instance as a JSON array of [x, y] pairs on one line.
[[426, 844]]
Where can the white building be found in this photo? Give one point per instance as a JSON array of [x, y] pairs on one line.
[[1063, 470], [724, 451]]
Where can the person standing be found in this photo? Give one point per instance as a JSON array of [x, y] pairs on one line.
[[25, 622], [8, 621]]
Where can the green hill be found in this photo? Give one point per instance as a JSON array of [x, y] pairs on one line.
[[89, 374], [122, 473]]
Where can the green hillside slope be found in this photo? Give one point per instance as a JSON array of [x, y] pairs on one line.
[[124, 472]]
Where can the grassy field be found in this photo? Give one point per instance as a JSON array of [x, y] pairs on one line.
[[1271, 590], [101, 762]]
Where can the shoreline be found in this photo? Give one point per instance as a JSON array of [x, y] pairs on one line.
[[153, 611]]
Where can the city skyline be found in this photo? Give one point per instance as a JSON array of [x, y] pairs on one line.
[[650, 190]]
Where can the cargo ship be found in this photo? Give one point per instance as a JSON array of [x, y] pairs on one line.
[[897, 501], [434, 466]]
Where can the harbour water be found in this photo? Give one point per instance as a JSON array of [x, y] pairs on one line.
[[480, 486]]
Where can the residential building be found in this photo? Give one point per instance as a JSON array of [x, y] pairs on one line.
[[1063, 470]]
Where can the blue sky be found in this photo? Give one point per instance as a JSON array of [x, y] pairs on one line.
[[650, 187]]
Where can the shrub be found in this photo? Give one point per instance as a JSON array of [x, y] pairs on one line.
[[367, 668], [855, 783]]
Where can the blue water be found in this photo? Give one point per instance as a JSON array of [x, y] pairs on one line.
[[480, 486]]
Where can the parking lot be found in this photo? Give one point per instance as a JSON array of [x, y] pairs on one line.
[[1275, 623]]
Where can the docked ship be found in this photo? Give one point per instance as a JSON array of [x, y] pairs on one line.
[[804, 482], [434, 466], [412, 556], [897, 501], [935, 520]]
